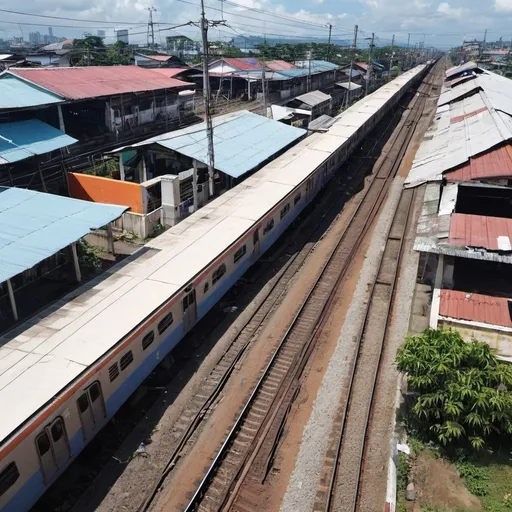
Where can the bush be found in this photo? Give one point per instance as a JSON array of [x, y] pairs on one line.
[[461, 388]]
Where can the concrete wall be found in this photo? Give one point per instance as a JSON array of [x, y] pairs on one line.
[[106, 190], [139, 224]]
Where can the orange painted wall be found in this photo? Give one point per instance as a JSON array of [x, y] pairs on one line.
[[105, 190]]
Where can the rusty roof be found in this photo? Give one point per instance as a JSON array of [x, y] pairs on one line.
[[279, 65], [496, 163], [242, 63], [160, 58], [171, 72], [95, 81], [475, 307], [479, 231]]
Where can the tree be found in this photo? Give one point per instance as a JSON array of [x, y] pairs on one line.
[[89, 42], [462, 390]]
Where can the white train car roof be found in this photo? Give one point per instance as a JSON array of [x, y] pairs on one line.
[[45, 354]]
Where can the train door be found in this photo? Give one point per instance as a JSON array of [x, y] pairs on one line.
[[91, 408], [309, 188], [256, 241], [53, 448], [189, 309]]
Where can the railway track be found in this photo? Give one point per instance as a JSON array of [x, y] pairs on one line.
[[246, 455], [340, 484]]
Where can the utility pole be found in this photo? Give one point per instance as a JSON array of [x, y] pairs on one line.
[[151, 29], [308, 55], [391, 57], [407, 52], [370, 65], [263, 89], [206, 96], [329, 43], [354, 48], [482, 47]]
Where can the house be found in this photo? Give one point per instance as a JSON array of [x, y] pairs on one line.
[[159, 61], [96, 107]]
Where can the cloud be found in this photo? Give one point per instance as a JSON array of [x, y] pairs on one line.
[[503, 5], [319, 1], [451, 12]]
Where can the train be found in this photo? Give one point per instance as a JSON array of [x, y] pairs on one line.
[[67, 371]]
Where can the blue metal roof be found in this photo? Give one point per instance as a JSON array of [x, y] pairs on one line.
[[242, 141], [24, 139], [317, 66], [17, 93], [35, 225]]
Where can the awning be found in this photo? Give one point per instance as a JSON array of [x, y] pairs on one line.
[[35, 226], [25, 139], [349, 85]]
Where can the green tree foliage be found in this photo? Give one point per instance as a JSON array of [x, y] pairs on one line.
[[462, 390], [89, 42]]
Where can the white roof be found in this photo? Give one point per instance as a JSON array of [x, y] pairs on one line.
[[465, 127], [46, 353], [349, 85]]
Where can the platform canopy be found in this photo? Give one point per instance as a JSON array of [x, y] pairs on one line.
[[35, 226]]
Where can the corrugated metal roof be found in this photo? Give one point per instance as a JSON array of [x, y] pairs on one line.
[[243, 63], [456, 81], [362, 65], [475, 307], [316, 66], [496, 163], [160, 58], [491, 233], [355, 72], [314, 98], [279, 65], [321, 124], [15, 93], [242, 141], [24, 139], [449, 95], [349, 85], [35, 226], [96, 81], [468, 66], [170, 72]]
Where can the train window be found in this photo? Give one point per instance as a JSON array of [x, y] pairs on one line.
[[206, 287], [43, 443], [83, 403], [8, 477], [57, 430], [255, 237], [217, 274], [296, 199], [148, 339], [285, 210], [268, 226], [94, 390], [125, 361], [166, 321], [239, 254], [113, 372]]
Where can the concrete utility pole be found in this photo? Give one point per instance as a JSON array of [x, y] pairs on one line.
[[206, 96], [263, 85], [329, 43], [354, 48], [482, 46], [391, 57], [370, 65], [308, 55], [151, 29], [407, 52]]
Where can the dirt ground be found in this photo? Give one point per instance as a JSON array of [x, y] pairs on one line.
[[438, 485]]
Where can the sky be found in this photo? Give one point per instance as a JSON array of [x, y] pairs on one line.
[[440, 24]]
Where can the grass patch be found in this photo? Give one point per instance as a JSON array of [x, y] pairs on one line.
[[402, 479]]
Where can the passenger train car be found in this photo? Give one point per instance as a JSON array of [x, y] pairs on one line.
[[65, 373]]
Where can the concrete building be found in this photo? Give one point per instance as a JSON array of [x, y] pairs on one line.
[[122, 35], [34, 38]]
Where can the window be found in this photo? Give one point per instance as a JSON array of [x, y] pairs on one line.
[[268, 226], [206, 287], [217, 274], [113, 372], [166, 321], [8, 477], [255, 237], [296, 199], [83, 403], [43, 443], [125, 361], [94, 390], [148, 339], [285, 210], [57, 430], [239, 254]]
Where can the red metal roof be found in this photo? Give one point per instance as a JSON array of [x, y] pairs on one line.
[[170, 72], [279, 65], [493, 164], [480, 231], [161, 58], [245, 63], [458, 119], [95, 81], [362, 65], [475, 307]]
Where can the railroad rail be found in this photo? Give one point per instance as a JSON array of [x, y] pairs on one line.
[[187, 428], [248, 450]]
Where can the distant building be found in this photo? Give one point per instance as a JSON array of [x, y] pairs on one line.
[[51, 38], [34, 38], [182, 46], [101, 33], [122, 35]]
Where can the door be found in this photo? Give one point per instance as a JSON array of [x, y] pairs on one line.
[[60, 442], [91, 408], [256, 241], [189, 310], [309, 189], [45, 453]]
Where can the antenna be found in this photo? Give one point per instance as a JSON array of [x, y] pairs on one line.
[[151, 30]]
